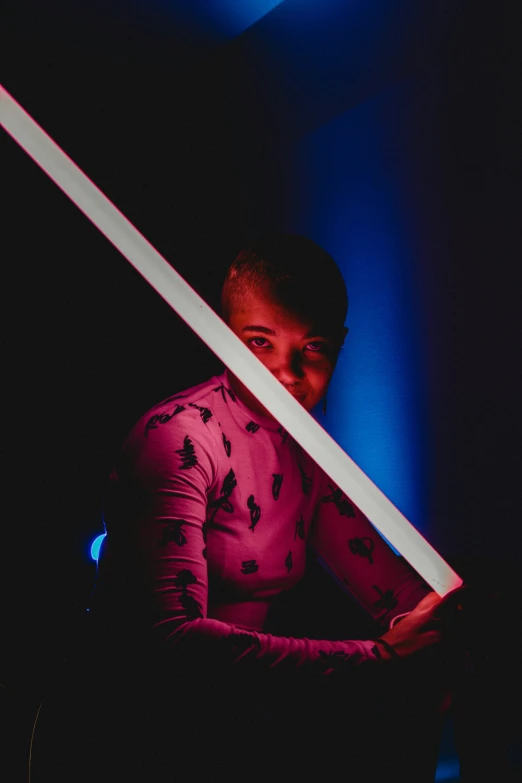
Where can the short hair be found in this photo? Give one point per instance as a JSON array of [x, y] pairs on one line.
[[293, 270]]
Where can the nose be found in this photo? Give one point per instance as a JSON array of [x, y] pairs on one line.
[[289, 369]]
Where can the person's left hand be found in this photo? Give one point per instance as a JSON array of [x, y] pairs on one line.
[[430, 672]]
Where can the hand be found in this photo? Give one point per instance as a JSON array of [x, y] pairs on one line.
[[430, 649], [429, 626]]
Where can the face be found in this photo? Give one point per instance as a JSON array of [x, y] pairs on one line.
[[296, 352]]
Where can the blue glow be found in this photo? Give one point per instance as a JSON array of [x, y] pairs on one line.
[[219, 19], [448, 771], [231, 14], [351, 176], [96, 546]]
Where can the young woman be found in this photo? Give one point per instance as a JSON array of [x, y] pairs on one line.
[[212, 511]]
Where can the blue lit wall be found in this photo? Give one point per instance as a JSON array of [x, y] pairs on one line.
[[351, 193]]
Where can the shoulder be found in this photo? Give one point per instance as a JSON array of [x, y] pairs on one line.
[[182, 428], [191, 405]]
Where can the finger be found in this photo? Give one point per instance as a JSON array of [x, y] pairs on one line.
[[428, 602], [455, 600]]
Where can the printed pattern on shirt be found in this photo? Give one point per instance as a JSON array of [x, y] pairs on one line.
[[223, 502], [161, 418], [173, 399], [343, 505], [330, 662], [276, 485], [205, 413], [173, 532], [386, 601], [187, 454], [255, 513], [299, 528], [363, 547], [226, 445], [241, 642], [283, 433], [306, 481], [224, 391], [249, 567], [188, 602]]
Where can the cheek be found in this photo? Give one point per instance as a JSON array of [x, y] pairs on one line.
[[319, 374]]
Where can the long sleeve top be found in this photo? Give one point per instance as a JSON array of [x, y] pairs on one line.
[[210, 510]]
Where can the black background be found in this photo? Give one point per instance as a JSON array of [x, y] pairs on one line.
[[180, 129]]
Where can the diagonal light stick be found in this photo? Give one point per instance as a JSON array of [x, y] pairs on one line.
[[227, 347]]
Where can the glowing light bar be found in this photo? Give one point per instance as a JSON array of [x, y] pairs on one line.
[[227, 346]]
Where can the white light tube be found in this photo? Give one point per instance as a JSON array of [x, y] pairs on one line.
[[227, 347]]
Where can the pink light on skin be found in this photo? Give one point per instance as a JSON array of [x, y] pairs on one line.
[[287, 410]]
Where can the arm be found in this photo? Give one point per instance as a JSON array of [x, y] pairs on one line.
[[387, 587], [156, 526], [365, 566]]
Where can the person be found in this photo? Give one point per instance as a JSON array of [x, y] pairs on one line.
[[212, 514]]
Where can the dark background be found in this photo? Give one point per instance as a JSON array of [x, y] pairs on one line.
[[183, 122]]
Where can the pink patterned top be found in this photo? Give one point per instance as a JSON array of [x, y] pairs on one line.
[[210, 510]]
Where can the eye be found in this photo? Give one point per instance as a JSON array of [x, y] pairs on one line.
[[259, 342], [316, 347]]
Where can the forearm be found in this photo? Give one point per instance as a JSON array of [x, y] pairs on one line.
[[230, 647]]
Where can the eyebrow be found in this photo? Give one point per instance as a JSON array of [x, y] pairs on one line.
[[266, 330], [262, 329]]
